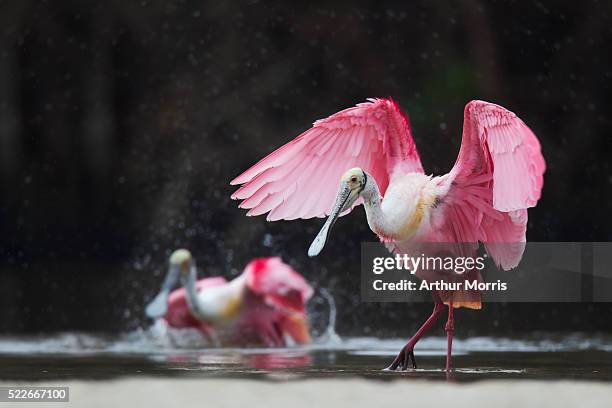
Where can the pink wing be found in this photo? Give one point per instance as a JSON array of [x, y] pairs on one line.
[[497, 176], [179, 315], [300, 179], [278, 284]]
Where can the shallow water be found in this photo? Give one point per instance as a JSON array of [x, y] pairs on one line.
[[176, 353]]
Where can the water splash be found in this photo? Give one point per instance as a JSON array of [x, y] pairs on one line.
[[160, 338], [330, 336]]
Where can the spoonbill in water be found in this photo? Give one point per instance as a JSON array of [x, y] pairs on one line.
[[369, 148], [265, 304]]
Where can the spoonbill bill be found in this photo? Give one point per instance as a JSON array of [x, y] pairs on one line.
[[369, 148], [265, 304]]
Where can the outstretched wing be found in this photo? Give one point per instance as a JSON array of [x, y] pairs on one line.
[[300, 179], [497, 176], [278, 284], [497, 143]]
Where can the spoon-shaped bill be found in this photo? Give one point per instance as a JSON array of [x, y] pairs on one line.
[[319, 242], [159, 305], [342, 203]]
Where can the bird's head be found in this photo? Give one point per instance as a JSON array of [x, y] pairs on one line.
[[352, 185], [181, 260], [355, 180], [179, 265]]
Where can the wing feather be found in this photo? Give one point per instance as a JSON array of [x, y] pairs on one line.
[[300, 179], [497, 176]]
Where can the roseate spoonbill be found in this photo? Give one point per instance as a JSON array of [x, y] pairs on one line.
[[369, 148], [264, 304]]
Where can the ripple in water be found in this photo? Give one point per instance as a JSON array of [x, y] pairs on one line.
[[160, 338]]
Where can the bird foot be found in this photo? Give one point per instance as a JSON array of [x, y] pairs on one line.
[[404, 359]]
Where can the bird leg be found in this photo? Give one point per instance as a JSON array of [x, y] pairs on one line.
[[406, 355], [450, 328]]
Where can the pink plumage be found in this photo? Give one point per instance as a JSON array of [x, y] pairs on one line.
[[497, 176], [273, 305], [370, 152], [374, 136], [278, 284], [178, 314]]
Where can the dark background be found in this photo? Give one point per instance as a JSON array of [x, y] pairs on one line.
[[122, 123]]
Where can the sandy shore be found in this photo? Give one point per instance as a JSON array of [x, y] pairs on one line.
[[150, 392]]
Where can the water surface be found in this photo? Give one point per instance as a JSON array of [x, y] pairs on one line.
[[183, 353]]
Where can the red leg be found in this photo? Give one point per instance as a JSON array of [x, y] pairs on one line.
[[450, 328], [407, 353]]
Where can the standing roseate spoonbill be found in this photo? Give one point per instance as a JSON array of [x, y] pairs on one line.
[[369, 148], [265, 304]]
